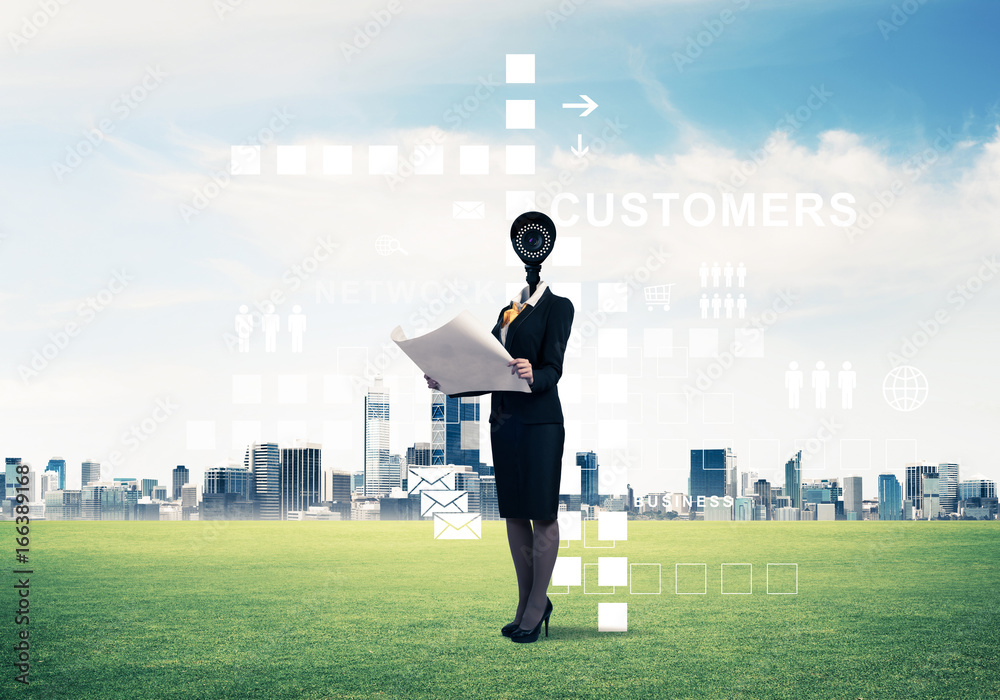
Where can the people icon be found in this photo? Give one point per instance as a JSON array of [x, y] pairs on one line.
[[729, 303], [703, 274], [716, 273], [297, 326], [793, 382], [271, 323], [703, 304], [847, 382], [821, 382], [741, 275], [244, 327], [728, 272], [716, 306], [741, 306]]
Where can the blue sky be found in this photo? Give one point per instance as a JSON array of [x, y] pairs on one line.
[[687, 128]]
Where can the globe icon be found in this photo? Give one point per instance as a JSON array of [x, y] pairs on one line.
[[383, 245], [905, 388]]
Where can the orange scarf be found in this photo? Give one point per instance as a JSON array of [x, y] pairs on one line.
[[510, 314]]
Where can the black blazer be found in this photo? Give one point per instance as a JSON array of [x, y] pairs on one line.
[[539, 334]]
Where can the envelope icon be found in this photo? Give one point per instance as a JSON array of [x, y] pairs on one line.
[[458, 526], [468, 210], [443, 502], [420, 478]]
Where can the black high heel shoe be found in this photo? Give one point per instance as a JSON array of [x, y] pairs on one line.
[[528, 636], [509, 628]]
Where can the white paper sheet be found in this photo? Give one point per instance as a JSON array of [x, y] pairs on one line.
[[462, 356]]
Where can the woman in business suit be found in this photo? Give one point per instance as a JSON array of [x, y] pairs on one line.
[[527, 436]]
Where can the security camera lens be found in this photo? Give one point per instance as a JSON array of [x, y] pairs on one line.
[[532, 242]]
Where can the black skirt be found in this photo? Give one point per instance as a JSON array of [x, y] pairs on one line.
[[527, 461]]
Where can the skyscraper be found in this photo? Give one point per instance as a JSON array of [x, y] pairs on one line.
[[419, 455], [930, 495], [914, 487], [469, 481], [587, 461], [58, 465], [10, 476], [948, 474], [90, 471], [890, 498], [301, 477], [852, 498], [181, 476], [263, 460], [147, 487], [488, 505], [455, 430], [711, 474], [227, 479], [977, 488], [377, 467], [763, 491], [793, 479], [747, 480]]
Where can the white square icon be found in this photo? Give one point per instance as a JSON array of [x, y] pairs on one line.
[[520, 114], [612, 525], [612, 617], [520, 68], [568, 571], [291, 160], [244, 160]]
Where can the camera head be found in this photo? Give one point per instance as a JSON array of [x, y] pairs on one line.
[[533, 235]]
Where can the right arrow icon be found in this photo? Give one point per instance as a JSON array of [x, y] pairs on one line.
[[588, 105]]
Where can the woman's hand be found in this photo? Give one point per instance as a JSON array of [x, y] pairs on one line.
[[523, 369], [432, 383]]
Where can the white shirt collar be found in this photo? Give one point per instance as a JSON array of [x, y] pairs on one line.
[[523, 298]]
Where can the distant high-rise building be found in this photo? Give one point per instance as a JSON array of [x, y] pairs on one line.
[[977, 488], [301, 477], [181, 476], [762, 489], [190, 495], [469, 481], [454, 430], [914, 487], [336, 487], [90, 471], [488, 505], [890, 497], [377, 467], [948, 474], [587, 461], [712, 474], [147, 487], [793, 479], [49, 481], [930, 500], [358, 483], [853, 502], [58, 465], [263, 460], [62, 504], [747, 481], [228, 479], [419, 455], [160, 492]]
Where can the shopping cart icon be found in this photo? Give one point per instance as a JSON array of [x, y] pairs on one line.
[[658, 295]]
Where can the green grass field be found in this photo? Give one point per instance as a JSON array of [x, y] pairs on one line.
[[381, 610]]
